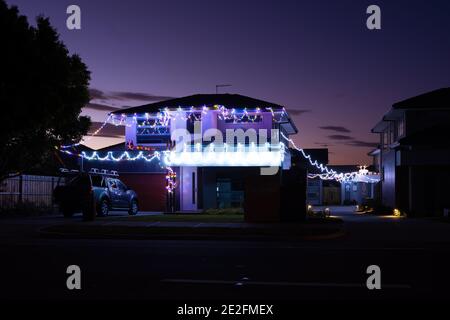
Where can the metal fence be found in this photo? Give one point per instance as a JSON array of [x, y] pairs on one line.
[[28, 191]]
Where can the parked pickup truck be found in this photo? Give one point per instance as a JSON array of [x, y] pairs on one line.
[[94, 190]]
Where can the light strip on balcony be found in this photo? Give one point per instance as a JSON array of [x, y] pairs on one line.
[[224, 157]]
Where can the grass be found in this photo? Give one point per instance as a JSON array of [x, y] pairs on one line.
[[187, 218], [201, 217]]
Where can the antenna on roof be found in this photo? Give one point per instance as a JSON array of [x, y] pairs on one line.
[[221, 86]]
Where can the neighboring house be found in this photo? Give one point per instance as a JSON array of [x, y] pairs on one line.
[[314, 189], [332, 192], [414, 154], [349, 192], [208, 174]]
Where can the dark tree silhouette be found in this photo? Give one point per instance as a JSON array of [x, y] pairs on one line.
[[42, 91]]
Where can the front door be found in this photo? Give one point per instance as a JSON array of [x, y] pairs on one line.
[[188, 188]]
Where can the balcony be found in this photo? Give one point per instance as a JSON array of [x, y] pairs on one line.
[[240, 155]]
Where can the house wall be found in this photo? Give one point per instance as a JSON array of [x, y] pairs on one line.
[[404, 183], [417, 120], [188, 188], [130, 131], [314, 192], [388, 178], [355, 192]]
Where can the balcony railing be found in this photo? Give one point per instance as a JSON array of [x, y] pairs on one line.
[[239, 155]]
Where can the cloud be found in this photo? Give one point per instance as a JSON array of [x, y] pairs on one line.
[[126, 95], [97, 94], [100, 107], [109, 130], [296, 112], [324, 144], [359, 143], [335, 128], [340, 137]]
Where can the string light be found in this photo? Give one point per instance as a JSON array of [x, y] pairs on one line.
[[162, 118], [329, 174], [125, 156], [96, 132], [212, 155], [171, 177], [240, 156]]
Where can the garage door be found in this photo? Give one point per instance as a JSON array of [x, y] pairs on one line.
[[150, 188]]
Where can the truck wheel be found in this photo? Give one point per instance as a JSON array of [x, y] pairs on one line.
[[103, 208], [133, 210]]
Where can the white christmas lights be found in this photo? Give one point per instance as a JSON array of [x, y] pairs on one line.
[[363, 175]]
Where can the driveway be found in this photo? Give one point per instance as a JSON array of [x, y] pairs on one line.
[[388, 228]]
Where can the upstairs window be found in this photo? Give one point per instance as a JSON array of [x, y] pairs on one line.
[[400, 128]]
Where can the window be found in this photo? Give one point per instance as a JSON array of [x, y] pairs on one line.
[[385, 138], [120, 185], [398, 158], [400, 128], [112, 183]]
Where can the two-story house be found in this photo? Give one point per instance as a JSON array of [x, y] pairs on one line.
[[219, 150], [414, 154]]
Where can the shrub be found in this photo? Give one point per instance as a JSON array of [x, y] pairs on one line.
[[227, 211]]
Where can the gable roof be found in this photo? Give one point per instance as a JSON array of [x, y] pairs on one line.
[[439, 98], [200, 100], [436, 99]]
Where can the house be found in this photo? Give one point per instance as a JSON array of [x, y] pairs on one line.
[[331, 192], [214, 150], [414, 154]]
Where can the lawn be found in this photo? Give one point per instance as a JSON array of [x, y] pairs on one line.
[[187, 218], [201, 217]]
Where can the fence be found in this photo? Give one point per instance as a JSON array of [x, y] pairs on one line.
[[28, 191]]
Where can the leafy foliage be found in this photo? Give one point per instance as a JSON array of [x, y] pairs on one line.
[[42, 91]]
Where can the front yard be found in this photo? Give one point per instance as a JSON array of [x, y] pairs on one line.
[[186, 218]]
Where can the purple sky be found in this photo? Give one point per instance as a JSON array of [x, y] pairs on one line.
[[316, 58]]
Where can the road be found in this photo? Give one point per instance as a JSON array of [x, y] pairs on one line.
[[412, 254]]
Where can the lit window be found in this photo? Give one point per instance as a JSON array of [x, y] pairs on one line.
[[400, 128]]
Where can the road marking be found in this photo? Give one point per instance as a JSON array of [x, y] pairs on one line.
[[285, 284]]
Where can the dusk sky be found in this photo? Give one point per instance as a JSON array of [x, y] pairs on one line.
[[317, 58]]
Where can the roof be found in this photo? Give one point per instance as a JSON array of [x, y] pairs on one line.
[[200, 100], [439, 98]]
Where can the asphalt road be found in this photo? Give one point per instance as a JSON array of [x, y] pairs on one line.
[[412, 254]]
